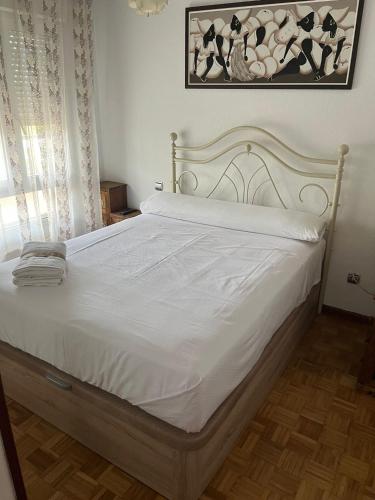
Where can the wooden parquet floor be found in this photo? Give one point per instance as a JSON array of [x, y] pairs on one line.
[[313, 438]]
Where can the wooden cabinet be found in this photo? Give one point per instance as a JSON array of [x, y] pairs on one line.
[[114, 199], [120, 216], [115, 203]]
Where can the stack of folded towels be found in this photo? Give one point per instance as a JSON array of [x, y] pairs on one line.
[[41, 264]]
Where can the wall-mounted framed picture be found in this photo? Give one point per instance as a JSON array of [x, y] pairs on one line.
[[307, 44]]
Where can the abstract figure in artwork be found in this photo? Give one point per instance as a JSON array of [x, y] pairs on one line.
[[307, 34], [333, 37], [242, 32], [296, 32], [205, 48], [272, 43]]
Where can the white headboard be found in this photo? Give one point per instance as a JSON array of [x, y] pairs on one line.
[[256, 174]]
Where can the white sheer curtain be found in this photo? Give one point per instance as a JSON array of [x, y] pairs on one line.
[[49, 177]]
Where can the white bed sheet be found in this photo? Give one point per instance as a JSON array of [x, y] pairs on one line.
[[167, 314]]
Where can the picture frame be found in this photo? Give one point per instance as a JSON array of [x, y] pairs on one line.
[[301, 44]]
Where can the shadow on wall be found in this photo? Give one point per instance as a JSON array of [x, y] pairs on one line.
[[354, 245], [358, 192]]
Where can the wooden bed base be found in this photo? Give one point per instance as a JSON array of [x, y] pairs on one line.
[[176, 464]]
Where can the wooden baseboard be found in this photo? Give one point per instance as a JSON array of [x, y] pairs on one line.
[[368, 320]]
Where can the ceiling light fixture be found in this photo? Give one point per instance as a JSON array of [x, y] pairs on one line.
[[148, 7]]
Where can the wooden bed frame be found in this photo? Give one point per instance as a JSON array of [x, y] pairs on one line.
[[176, 464]]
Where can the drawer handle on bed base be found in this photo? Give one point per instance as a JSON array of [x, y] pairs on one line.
[[58, 382]]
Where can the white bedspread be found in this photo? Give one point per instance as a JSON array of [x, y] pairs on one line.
[[169, 315]]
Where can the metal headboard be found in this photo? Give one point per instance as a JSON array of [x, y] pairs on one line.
[[256, 149]]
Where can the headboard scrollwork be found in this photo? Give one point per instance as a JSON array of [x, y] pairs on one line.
[[247, 183]]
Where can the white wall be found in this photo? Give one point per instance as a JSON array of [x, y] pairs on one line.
[[141, 99]]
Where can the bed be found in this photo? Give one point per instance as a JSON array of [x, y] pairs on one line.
[[169, 331]]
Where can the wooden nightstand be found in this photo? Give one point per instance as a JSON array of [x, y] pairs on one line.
[[115, 202], [114, 199], [118, 216]]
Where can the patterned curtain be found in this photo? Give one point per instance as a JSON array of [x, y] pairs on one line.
[[49, 176], [84, 76]]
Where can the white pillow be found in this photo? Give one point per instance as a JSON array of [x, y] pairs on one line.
[[251, 218]]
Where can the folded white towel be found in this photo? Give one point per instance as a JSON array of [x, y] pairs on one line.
[[44, 249], [41, 264], [37, 281]]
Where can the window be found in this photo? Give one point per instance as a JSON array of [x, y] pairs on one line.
[[32, 132]]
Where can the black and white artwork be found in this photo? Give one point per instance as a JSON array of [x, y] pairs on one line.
[[273, 43]]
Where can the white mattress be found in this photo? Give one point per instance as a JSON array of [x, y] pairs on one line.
[[169, 315]]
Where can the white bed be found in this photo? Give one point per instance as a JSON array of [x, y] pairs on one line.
[[172, 325], [178, 317]]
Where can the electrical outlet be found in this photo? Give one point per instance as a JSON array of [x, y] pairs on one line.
[[354, 279], [158, 186]]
